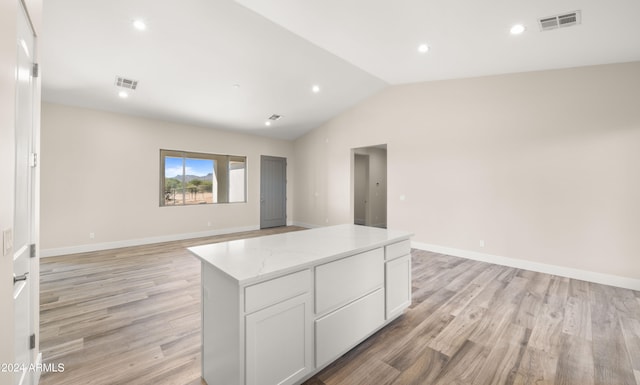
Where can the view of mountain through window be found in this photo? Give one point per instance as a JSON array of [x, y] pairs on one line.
[[196, 178]]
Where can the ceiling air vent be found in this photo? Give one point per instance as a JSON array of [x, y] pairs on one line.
[[275, 117], [126, 83], [560, 21]]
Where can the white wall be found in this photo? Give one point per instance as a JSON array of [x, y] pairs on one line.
[[100, 174], [542, 166], [8, 59]]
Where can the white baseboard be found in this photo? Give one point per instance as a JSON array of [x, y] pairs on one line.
[[307, 225], [569, 272], [313, 226], [44, 253]]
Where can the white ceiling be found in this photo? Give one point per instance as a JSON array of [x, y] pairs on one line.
[[467, 38], [194, 52]]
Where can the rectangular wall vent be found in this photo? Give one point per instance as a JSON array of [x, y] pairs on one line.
[[560, 21], [126, 83]]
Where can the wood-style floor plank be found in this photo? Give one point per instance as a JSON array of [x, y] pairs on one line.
[[465, 366], [575, 362], [611, 359], [536, 368], [424, 369], [132, 316], [505, 357]]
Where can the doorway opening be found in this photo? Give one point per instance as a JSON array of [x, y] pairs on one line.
[[369, 181], [273, 191]]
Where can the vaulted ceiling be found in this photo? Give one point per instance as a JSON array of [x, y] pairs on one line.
[[232, 64]]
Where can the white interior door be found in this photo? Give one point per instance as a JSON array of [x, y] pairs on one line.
[[24, 202]]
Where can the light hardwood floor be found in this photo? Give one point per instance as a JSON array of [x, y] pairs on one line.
[[125, 316], [132, 316]]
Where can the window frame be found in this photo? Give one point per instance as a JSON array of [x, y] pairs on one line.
[[223, 159]]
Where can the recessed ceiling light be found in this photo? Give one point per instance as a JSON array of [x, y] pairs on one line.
[[267, 123], [423, 48], [139, 24], [123, 94], [236, 85], [517, 29], [315, 89]]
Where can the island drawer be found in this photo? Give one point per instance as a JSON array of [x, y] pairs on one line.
[[276, 290], [396, 250], [338, 331], [340, 282]]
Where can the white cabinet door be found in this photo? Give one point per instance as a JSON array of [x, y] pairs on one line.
[[278, 343], [398, 285]]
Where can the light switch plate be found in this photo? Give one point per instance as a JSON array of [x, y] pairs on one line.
[[7, 241]]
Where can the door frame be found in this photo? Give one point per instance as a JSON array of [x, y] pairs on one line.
[[31, 127]]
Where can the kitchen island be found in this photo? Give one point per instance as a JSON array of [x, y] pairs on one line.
[[279, 308]]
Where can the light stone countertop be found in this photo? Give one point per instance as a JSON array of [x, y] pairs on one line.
[[256, 259]]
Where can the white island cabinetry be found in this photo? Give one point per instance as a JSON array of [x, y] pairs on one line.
[[397, 277], [279, 308]]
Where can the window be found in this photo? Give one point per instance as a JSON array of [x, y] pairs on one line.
[[191, 178]]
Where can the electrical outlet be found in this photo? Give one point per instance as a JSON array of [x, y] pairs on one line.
[[482, 243], [92, 235], [7, 241]]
